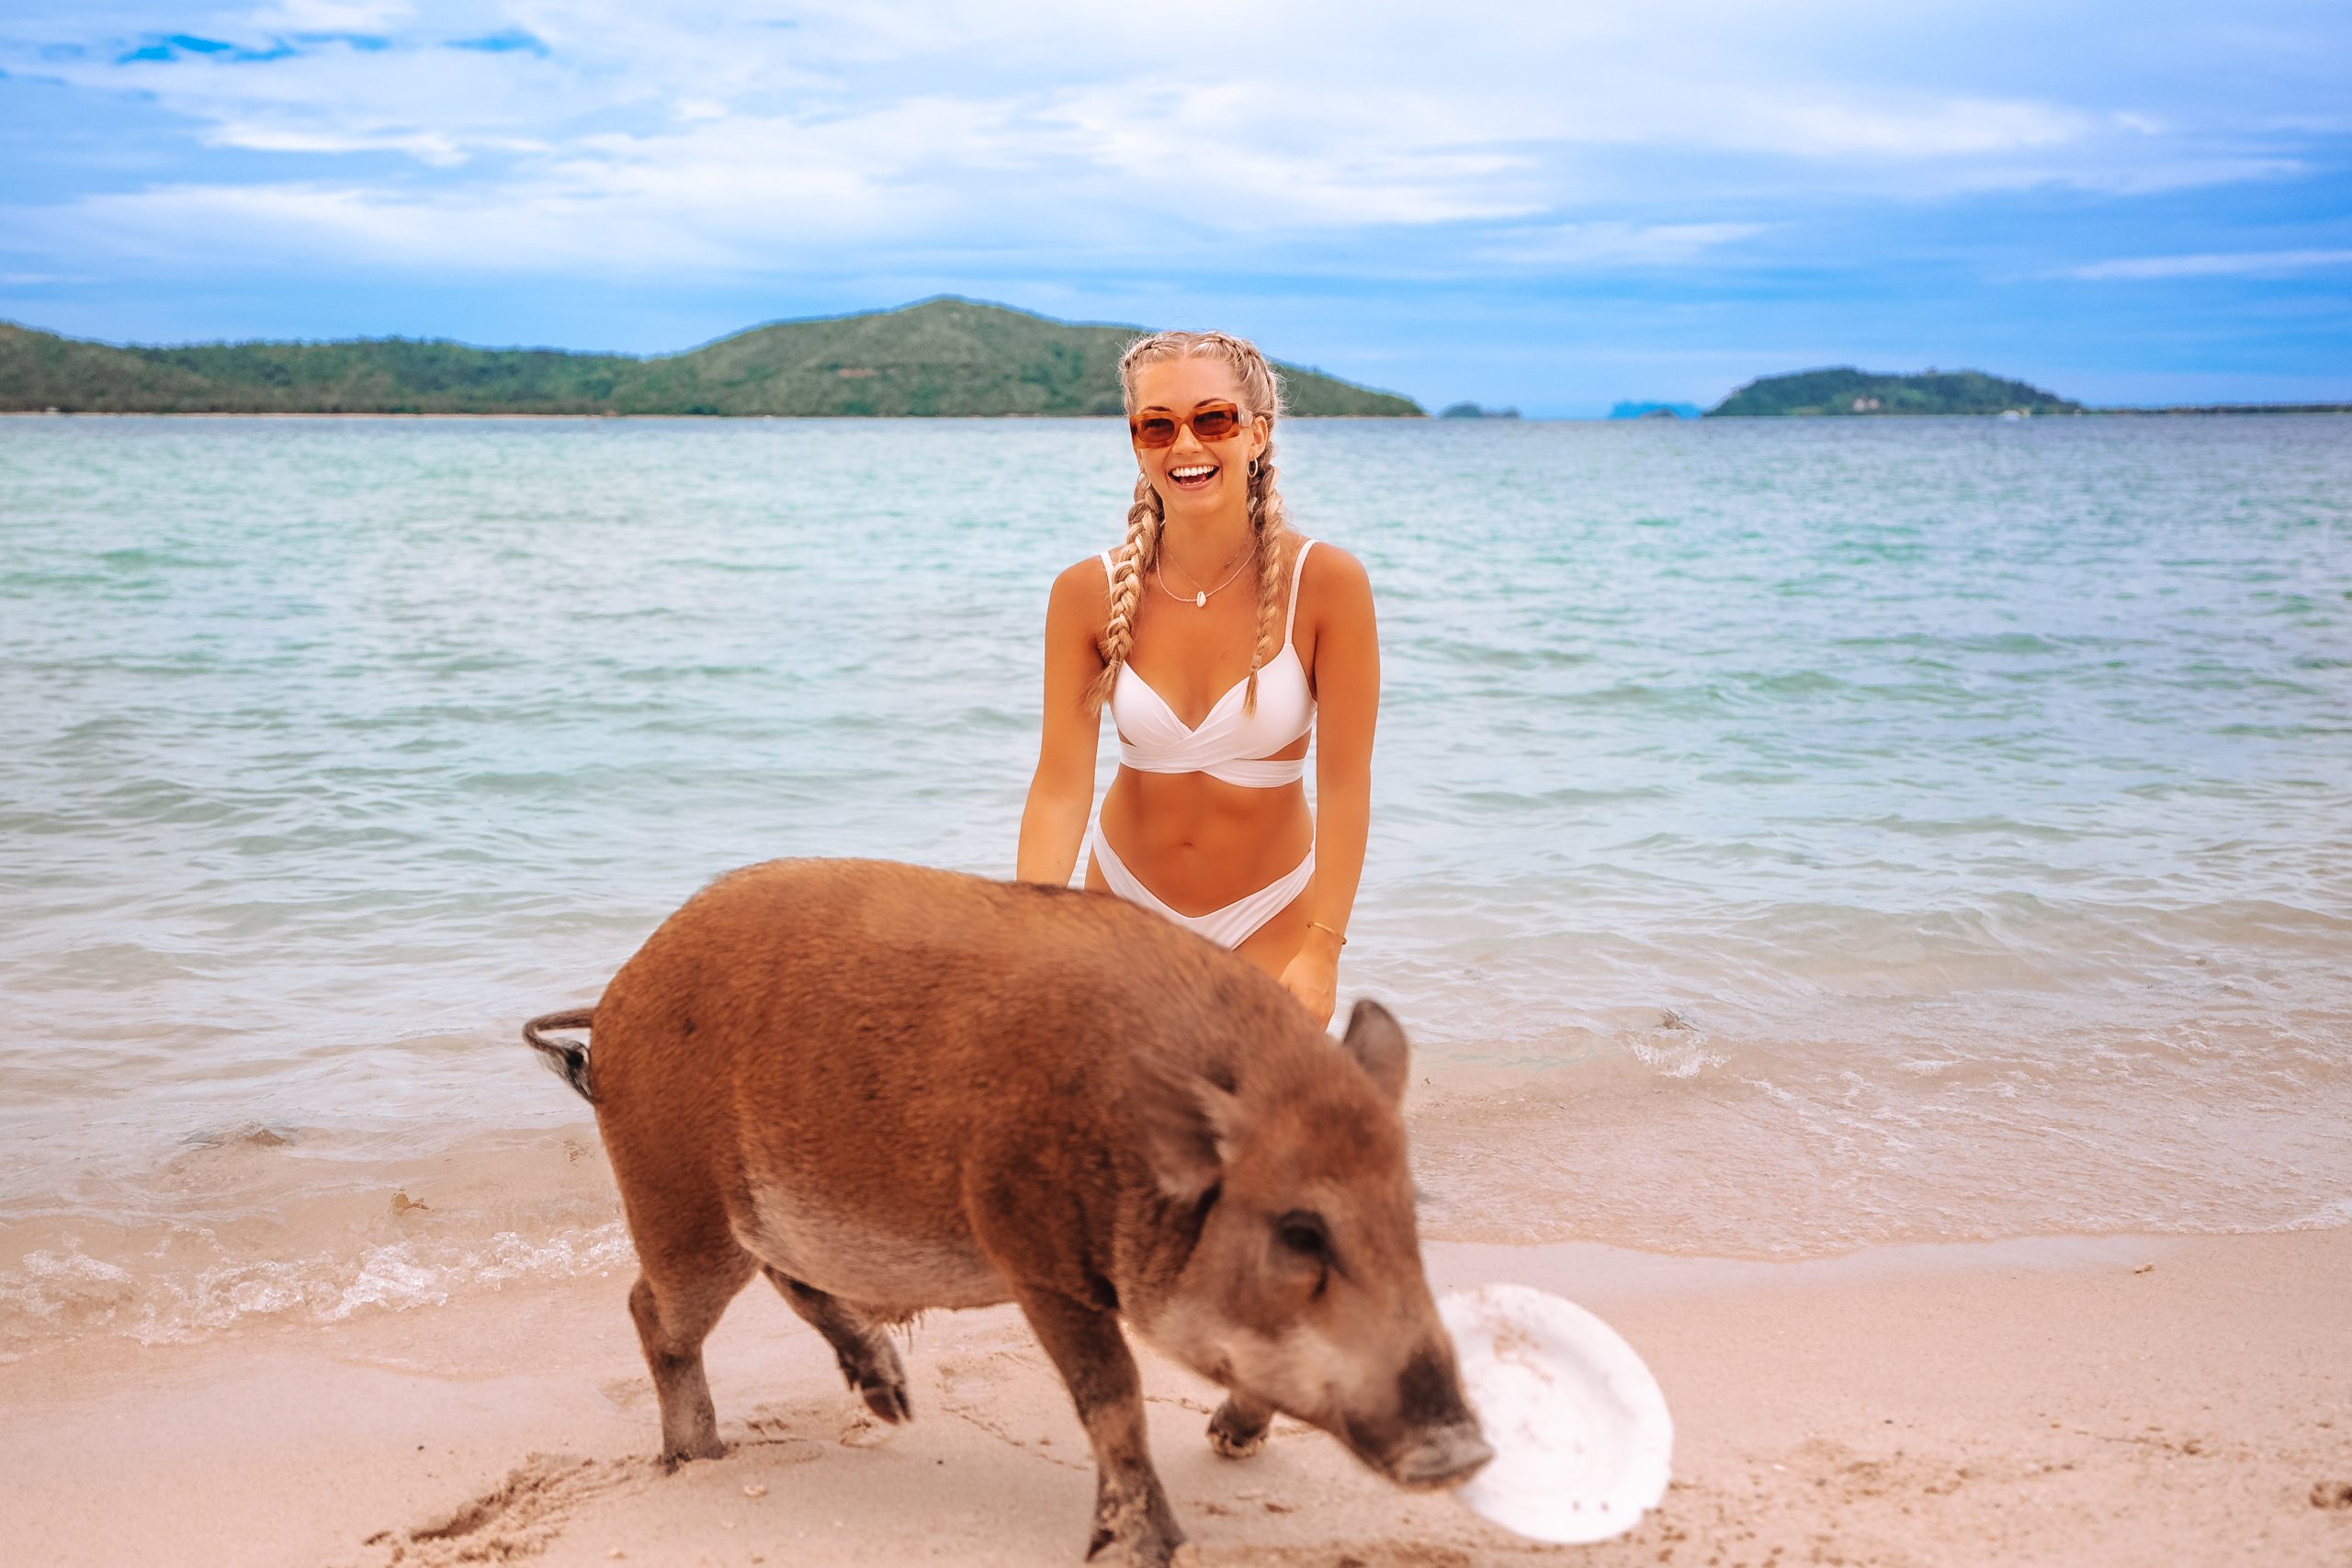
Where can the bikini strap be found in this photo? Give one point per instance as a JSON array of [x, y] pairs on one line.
[[1297, 569], [1110, 573]]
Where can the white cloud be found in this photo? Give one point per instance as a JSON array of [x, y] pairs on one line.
[[347, 225], [716, 133], [371, 16], [2230, 264], [1934, 129], [426, 147], [1613, 243]]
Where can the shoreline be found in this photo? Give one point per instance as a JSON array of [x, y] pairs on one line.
[[2218, 410], [2131, 1399], [527, 413], [278, 1228]]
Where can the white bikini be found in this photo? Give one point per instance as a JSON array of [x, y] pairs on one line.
[[1227, 745]]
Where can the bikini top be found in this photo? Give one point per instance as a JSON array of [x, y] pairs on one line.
[[1228, 744]]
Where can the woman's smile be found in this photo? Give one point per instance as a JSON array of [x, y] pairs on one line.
[[1191, 476]]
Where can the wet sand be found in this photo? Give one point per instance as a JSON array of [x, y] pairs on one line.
[[2109, 1401]]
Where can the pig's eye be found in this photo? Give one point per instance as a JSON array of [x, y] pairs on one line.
[[1303, 1233]]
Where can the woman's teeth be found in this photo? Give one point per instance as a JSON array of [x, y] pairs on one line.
[[1191, 472]]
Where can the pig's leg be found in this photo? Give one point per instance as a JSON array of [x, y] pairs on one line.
[[1238, 1430], [869, 1361], [675, 1313], [1131, 1513]]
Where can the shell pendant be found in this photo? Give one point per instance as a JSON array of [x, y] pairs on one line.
[[1200, 599]]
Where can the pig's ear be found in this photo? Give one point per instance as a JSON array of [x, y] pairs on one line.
[[1377, 1042], [1186, 1121]]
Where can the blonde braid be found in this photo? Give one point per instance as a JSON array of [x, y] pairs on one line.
[[1128, 563], [1268, 523]]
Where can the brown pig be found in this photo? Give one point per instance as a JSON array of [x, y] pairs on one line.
[[892, 1089]]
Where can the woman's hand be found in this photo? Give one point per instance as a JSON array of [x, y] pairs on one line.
[[1313, 976]]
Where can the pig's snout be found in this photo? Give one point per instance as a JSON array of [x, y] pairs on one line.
[[1435, 1441], [1447, 1457]]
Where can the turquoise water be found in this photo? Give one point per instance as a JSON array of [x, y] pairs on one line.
[[1786, 836]]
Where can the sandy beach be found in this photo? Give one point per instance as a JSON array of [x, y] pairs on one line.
[[2077, 1401]]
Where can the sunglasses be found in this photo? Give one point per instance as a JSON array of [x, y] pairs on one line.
[[1210, 422]]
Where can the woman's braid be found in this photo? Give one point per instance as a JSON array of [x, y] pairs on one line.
[[1266, 526], [1133, 556]]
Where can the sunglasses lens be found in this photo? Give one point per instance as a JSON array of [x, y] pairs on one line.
[[1155, 430], [1216, 424]]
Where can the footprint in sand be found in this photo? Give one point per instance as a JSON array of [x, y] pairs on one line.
[[968, 1391], [794, 1433], [628, 1394], [518, 1517]]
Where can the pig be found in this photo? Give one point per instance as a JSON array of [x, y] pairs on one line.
[[893, 1089]]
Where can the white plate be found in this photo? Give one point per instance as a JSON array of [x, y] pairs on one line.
[[1581, 1437]]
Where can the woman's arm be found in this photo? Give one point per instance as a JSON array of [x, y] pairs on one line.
[[1347, 706], [1061, 792]]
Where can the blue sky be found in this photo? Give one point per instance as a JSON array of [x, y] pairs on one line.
[[1553, 206]]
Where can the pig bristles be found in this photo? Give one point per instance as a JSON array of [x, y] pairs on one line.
[[568, 1059]]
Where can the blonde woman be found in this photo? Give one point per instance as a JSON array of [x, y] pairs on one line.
[[1221, 639]]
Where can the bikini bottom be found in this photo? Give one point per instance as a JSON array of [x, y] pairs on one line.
[[1228, 927]]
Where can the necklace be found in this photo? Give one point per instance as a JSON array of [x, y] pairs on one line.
[[1201, 594]]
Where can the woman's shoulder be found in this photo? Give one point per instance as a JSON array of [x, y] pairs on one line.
[[1330, 575], [1085, 579], [1081, 595]]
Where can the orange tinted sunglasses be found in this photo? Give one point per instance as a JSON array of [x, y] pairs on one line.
[[1209, 422]]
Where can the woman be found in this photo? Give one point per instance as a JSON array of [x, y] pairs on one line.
[[1220, 640]]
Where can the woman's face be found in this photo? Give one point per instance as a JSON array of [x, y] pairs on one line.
[[1197, 478]]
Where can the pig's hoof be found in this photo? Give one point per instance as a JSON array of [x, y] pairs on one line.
[[1152, 1549], [888, 1400], [700, 1448], [1232, 1436], [1134, 1531]]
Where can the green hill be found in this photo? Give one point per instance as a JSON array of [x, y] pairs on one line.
[[943, 356], [1843, 390]]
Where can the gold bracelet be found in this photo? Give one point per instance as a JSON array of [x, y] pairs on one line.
[[1319, 926]]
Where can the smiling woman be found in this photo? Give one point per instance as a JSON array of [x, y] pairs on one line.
[[1210, 810]]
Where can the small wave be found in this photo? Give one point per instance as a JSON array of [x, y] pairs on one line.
[[2008, 642], [56, 1294], [1794, 683], [254, 1222], [67, 1289], [137, 560], [1513, 800], [1501, 656], [2327, 1216], [1676, 1058]]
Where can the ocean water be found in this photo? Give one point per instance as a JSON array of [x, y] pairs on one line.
[[1787, 836]]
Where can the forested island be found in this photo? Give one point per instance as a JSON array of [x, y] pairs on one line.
[[1842, 390], [940, 358], [945, 357]]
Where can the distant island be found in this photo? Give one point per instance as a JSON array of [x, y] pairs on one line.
[[944, 356], [1474, 411], [2234, 408], [1842, 390], [1654, 411]]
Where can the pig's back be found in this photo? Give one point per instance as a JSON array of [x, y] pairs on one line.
[[835, 1055]]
